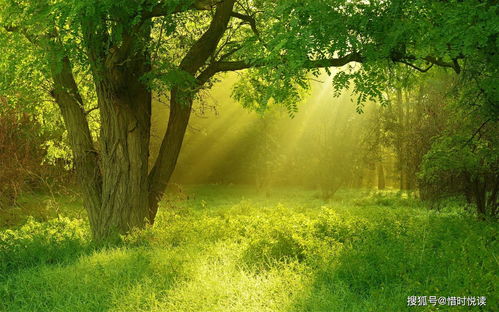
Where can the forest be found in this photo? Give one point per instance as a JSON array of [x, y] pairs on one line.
[[249, 155]]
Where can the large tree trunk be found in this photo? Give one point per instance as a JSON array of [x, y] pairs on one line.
[[124, 103], [125, 110]]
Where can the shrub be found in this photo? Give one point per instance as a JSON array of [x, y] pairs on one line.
[[23, 149], [277, 247], [34, 243]]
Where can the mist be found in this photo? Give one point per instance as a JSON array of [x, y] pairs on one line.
[[325, 146]]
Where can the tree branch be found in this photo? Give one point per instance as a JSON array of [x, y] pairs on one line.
[[206, 45], [227, 66], [163, 8], [335, 62], [416, 67], [439, 62], [405, 59], [248, 19], [477, 131], [22, 31]]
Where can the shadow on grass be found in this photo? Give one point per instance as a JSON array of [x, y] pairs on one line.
[[57, 241], [435, 256], [118, 279]]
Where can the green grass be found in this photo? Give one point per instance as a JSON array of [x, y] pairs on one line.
[[220, 248]]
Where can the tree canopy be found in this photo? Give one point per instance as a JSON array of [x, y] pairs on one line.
[[283, 40]]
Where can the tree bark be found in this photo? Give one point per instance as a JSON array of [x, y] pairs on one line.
[[125, 110], [180, 111], [125, 129], [124, 103], [70, 103]]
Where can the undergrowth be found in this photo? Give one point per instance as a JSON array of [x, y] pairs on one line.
[[231, 249]]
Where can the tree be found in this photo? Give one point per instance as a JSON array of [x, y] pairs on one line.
[[113, 54], [467, 162], [463, 158], [119, 193]]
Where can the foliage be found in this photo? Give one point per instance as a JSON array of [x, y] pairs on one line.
[[23, 156], [460, 35], [451, 154], [465, 160], [385, 33], [35, 243]]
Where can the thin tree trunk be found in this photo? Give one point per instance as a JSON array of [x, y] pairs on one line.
[[480, 198], [181, 104], [70, 103], [400, 141], [180, 111], [359, 182], [492, 200], [381, 176]]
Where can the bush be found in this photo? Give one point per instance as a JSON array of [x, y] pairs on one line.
[[22, 156], [35, 243], [278, 246]]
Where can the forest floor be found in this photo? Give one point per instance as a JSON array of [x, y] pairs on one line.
[[231, 248]]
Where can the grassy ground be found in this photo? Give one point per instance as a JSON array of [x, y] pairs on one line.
[[232, 249]]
